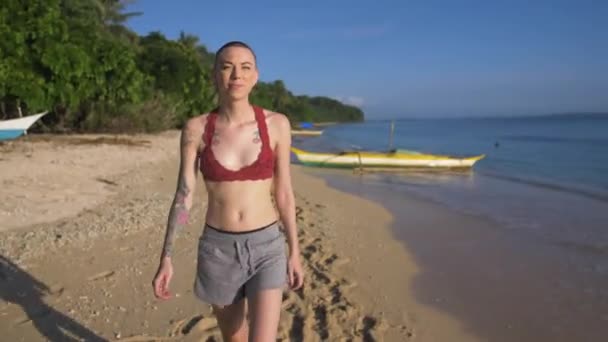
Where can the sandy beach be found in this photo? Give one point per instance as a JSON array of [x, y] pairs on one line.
[[83, 218], [82, 223]]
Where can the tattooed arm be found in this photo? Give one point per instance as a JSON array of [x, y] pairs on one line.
[[178, 215]]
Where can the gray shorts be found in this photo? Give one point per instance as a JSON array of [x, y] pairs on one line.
[[232, 266]]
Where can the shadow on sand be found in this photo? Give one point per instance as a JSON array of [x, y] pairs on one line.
[[20, 288]]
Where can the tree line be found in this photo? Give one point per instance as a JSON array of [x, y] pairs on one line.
[[78, 60]]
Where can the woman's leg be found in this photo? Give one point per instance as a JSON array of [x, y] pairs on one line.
[[232, 321], [264, 314]]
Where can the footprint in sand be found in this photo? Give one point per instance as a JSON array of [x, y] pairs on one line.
[[321, 309], [197, 328], [54, 292], [299, 212], [333, 260], [193, 329]]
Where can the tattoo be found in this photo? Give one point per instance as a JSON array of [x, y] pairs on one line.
[[178, 217], [256, 137], [216, 138], [188, 137]]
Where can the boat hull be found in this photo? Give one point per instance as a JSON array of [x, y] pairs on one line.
[[8, 134], [14, 128], [306, 132], [350, 160]]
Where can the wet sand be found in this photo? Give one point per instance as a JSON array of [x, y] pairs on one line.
[[501, 284]]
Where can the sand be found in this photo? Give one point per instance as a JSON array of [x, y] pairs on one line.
[[83, 219], [45, 178]]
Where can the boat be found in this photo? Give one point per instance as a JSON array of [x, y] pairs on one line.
[[306, 132], [394, 159], [14, 128], [306, 129]]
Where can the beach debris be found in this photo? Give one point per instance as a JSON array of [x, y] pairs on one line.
[[145, 338], [23, 321], [106, 181], [32, 316], [102, 275], [56, 290]]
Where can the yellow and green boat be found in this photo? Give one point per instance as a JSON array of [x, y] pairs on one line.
[[396, 159], [306, 132]]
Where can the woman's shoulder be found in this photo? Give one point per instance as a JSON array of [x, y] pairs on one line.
[[197, 122], [276, 120], [194, 129]]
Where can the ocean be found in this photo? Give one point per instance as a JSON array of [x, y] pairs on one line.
[[544, 176], [528, 258]]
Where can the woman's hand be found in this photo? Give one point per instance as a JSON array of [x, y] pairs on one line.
[[162, 279], [295, 272]]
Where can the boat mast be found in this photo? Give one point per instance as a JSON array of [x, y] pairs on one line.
[[390, 141]]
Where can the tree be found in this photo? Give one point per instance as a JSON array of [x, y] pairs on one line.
[[77, 59]]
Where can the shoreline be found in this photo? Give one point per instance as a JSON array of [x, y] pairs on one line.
[[499, 284], [381, 265]]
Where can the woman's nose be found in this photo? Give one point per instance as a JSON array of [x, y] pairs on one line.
[[236, 73]]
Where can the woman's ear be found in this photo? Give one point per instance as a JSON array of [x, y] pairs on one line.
[[214, 78], [257, 76]]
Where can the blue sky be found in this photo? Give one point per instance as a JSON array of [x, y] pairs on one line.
[[413, 58]]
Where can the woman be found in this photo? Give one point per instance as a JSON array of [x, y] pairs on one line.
[[243, 152]]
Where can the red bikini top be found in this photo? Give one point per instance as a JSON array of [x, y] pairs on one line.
[[261, 168]]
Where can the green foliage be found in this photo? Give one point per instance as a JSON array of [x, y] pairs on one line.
[[153, 115], [76, 59]]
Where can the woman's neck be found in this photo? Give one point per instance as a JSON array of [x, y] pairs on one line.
[[236, 112]]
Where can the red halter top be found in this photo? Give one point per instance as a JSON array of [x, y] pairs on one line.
[[261, 168]]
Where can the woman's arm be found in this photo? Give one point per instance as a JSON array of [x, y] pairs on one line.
[[283, 191], [182, 202], [285, 200]]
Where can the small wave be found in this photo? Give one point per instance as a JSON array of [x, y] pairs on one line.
[[603, 197], [593, 248], [549, 139]]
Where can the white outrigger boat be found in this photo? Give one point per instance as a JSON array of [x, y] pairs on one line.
[[14, 128]]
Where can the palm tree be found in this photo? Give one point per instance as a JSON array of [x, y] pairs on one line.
[[114, 18]]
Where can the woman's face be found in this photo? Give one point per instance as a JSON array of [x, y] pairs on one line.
[[235, 73]]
